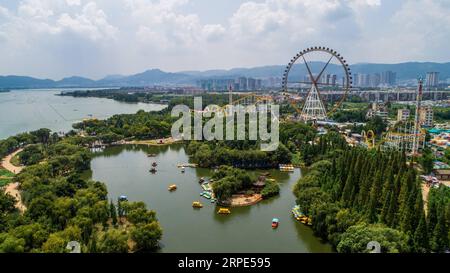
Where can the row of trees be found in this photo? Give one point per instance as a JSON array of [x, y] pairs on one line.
[[62, 207], [42, 136], [216, 153], [142, 125], [358, 196]]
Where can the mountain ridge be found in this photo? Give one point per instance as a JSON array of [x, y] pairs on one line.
[[405, 71]]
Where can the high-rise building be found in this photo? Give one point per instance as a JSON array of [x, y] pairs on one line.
[[388, 78], [432, 79], [403, 114], [258, 84], [333, 79], [375, 80], [251, 84], [242, 83], [426, 116]]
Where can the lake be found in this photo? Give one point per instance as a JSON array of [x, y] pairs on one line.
[[27, 110], [125, 170]]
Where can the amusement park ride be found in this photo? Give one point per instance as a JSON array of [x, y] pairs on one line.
[[313, 107], [407, 136]]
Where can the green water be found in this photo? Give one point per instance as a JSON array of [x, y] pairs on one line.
[[124, 169], [26, 110]]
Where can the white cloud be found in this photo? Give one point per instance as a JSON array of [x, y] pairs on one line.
[[214, 32], [91, 22], [59, 38]]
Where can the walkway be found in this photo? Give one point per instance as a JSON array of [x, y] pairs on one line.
[[13, 188]]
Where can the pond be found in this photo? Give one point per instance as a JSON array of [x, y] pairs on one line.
[[125, 170]]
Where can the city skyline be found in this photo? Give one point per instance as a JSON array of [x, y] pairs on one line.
[[56, 39]]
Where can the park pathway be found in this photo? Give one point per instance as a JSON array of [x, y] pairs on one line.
[[13, 188]]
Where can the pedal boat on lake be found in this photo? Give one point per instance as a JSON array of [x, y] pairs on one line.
[[275, 222], [223, 211], [172, 187], [197, 204]]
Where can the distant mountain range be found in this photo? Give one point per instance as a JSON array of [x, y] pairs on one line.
[[405, 71]]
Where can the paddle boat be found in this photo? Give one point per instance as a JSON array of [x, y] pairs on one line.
[[275, 222], [298, 215], [223, 211], [123, 198], [154, 164], [183, 169], [197, 204], [172, 187], [206, 186], [206, 194], [201, 180]]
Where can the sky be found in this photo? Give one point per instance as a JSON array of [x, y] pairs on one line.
[[60, 38]]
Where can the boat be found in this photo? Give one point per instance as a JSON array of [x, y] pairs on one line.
[[153, 170], [172, 187], [197, 204], [223, 211], [286, 167], [213, 200], [298, 214], [275, 222], [123, 198], [201, 180], [183, 169], [154, 164], [206, 194], [151, 155], [206, 186]]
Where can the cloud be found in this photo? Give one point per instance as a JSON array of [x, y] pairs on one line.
[[91, 22], [214, 32], [51, 38]]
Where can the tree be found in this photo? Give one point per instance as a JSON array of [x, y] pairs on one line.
[[7, 203], [421, 243], [426, 160], [34, 235], [146, 236], [11, 244], [113, 213], [113, 241], [356, 238], [440, 242]]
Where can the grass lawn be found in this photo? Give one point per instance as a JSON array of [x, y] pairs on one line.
[[5, 177], [4, 181], [6, 173]]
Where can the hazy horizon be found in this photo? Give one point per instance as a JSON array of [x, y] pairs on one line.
[[93, 39], [187, 71]]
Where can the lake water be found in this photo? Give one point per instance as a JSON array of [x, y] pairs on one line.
[[26, 110], [125, 170]]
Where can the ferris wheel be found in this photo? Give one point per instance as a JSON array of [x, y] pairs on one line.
[[325, 84]]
